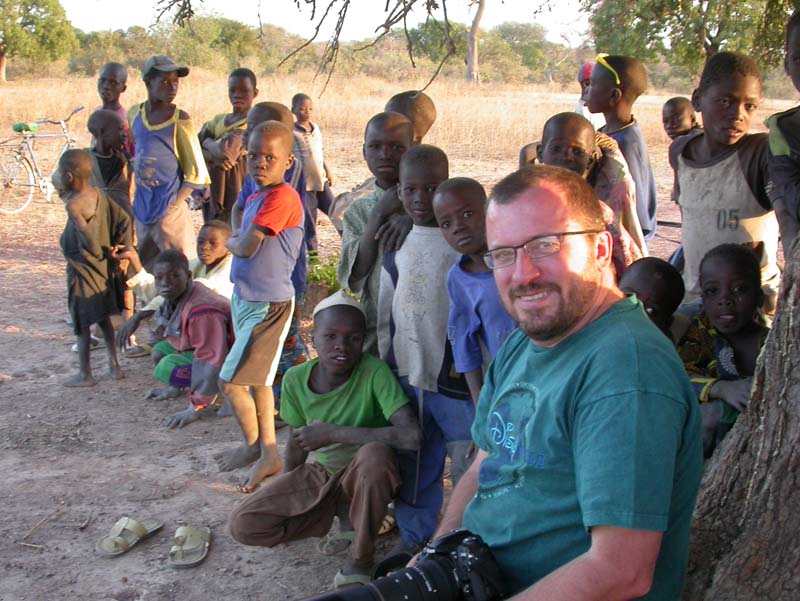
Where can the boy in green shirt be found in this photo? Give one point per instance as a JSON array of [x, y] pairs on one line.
[[346, 407]]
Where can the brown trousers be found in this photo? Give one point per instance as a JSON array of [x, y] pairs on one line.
[[302, 503]]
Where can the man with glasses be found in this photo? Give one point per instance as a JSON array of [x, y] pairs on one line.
[[588, 432]]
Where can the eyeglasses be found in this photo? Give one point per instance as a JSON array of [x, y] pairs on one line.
[[536, 248], [601, 60]]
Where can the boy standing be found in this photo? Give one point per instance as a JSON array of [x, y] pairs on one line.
[[721, 174], [412, 339], [168, 163], [268, 233], [94, 290], [347, 408], [616, 83], [111, 83], [477, 323], [368, 223], [308, 149]]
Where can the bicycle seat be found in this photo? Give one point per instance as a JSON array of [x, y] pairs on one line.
[[20, 127]]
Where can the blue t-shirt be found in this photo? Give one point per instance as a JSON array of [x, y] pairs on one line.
[[293, 177], [478, 324], [634, 149], [602, 429], [265, 276]]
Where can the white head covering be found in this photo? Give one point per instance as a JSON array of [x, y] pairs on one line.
[[338, 299]]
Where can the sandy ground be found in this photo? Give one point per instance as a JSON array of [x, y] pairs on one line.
[[73, 462]]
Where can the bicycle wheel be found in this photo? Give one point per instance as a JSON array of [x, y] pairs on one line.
[[16, 183]]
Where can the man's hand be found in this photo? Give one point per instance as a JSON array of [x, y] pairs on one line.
[[735, 393], [393, 233], [127, 329], [121, 252], [314, 436]]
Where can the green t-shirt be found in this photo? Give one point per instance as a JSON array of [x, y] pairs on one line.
[[367, 400], [601, 430]]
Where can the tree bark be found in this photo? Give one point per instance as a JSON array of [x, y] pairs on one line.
[[744, 536], [3, 63], [473, 71]]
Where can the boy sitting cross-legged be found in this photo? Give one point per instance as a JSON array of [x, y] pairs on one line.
[[268, 234], [477, 324], [346, 408], [197, 337], [412, 339]]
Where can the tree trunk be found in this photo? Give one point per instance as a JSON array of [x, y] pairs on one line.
[[473, 72], [3, 63], [744, 536]]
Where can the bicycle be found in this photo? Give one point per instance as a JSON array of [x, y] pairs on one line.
[[20, 172]]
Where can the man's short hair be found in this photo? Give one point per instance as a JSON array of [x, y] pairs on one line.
[[725, 65], [583, 205], [299, 98], [246, 73], [219, 225], [560, 120], [464, 184], [102, 118], [274, 111], [659, 269], [277, 130], [632, 75], [741, 256], [390, 119], [417, 106], [174, 258], [76, 161], [425, 155]]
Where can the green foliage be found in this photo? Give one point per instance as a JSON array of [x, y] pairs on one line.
[[323, 271], [35, 29], [687, 32]]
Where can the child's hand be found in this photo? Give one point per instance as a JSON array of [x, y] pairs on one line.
[[122, 253], [389, 204], [735, 393], [393, 233], [231, 149], [314, 436]]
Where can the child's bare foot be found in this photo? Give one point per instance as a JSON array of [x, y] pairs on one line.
[[267, 465], [116, 373], [80, 380], [241, 456]]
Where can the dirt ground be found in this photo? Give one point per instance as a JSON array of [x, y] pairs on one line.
[[73, 462]]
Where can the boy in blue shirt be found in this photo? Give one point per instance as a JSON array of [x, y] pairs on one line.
[[268, 234], [477, 324], [616, 83]]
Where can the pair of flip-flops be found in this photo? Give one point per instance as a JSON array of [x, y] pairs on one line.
[[190, 543]]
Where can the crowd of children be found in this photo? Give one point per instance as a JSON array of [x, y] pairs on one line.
[[401, 354]]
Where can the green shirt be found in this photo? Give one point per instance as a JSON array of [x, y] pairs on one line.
[[367, 400], [601, 430]]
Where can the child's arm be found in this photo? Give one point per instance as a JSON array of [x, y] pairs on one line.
[[474, 380], [190, 158], [127, 329], [328, 174], [247, 244], [294, 454], [735, 393], [403, 434], [369, 243]]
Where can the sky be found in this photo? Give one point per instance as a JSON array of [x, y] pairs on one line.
[[363, 15]]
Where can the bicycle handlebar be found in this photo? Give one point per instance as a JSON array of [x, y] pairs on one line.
[[77, 109]]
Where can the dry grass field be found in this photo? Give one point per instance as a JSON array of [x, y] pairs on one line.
[[73, 462]]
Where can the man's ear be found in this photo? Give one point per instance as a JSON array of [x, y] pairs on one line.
[[696, 99], [603, 247]]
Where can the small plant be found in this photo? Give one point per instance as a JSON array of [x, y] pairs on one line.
[[323, 270]]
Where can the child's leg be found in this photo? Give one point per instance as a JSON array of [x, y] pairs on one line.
[[710, 414], [84, 376], [454, 417], [244, 408], [270, 461], [111, 349]]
